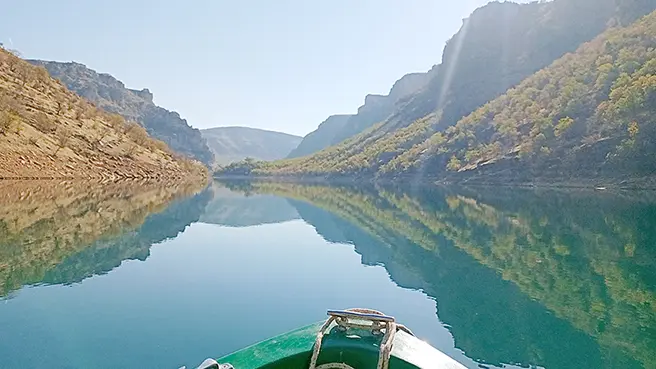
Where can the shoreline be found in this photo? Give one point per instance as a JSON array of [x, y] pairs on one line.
[[638, 183]]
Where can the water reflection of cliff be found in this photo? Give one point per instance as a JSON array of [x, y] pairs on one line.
[[105, 255], [235, 209], [62, 232], [555, 279]]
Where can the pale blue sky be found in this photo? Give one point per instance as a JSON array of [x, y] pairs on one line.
[[283, 65]]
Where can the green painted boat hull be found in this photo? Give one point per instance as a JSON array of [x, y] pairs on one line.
[[359, 349]]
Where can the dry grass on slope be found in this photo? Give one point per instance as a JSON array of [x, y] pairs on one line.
[[46, 131]]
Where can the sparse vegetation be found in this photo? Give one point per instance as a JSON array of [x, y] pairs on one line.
[[43, 123], [9, 121], [63, 137], [132, 149], [39, 117]]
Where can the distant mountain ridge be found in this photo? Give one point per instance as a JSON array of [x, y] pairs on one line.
[[111, 95], [230, 144]]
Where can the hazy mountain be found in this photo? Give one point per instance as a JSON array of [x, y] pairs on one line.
[[111, 95], [230, 144]]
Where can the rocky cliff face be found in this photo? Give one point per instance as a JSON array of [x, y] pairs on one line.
[[111, 95], [322, 137], [376, 109]]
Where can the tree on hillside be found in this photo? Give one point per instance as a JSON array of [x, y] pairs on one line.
[[9, 121], [62, 138]]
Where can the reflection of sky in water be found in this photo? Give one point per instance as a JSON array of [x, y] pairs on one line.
[[208, 292]]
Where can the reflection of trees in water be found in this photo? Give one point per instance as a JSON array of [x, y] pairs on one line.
[[588, 258], [491, 321], [44, 223]]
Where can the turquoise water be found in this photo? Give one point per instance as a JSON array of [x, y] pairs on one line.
[[494, 278]]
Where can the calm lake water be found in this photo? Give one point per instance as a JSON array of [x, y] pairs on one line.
[[492, 277]]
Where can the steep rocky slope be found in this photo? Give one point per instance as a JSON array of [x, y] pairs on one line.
[[589, 114], [46, 131], [111, 95], [322, 137]]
